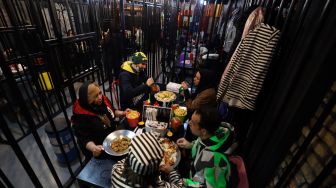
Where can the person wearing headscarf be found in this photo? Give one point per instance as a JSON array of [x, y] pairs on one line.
[[134, 83], [141, 167], [93, 119], [205, 95], [205, 90]]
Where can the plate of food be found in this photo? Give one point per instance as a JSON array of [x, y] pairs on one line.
[[171, 153], [118, 142], [165, 96]]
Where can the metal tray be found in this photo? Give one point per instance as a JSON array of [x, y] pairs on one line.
[[114, 135], [166, 101]]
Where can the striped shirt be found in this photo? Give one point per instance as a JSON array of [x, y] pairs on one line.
[[243, 77], [144, 157], [118, 180]]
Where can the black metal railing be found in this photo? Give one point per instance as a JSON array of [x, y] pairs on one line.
[[47, 46]]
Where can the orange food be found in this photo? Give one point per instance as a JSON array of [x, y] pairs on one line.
[[169, 152], [180, 112], [120, 144], [169, 133], [133, 114]]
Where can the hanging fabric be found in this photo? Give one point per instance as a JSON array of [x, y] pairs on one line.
[[255, 18], [234, 29], [243, 77]]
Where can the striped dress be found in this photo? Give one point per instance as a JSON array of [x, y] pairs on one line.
[[243, 77]]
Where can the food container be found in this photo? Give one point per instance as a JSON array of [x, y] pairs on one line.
[[174, 106], [116, 134], [169, 153], [155, 126], [175, 124], [180, 113], [165, 96], [133, 118], [173, 87]]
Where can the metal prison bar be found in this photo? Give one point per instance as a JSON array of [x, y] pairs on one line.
[[68, 34], [319, 180], [293, 45], [277, 19], [33, 76], [41, 84], [5, 180]]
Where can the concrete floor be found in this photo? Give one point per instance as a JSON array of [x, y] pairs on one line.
[[14, 171]]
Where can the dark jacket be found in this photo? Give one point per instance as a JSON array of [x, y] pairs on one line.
[[133, 88], [235, 28], [89, 127]]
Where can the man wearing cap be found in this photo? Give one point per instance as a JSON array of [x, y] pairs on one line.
[[134, 84]]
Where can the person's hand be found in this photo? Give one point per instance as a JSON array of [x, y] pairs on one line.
[[127, 111], [183, 143], [97, 150], [150, 81], [184, 85], [166, 168], [155, 88], [184, 181]]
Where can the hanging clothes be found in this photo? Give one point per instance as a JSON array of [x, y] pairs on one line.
[[233, 31], [255, 18], [235, 27], [243, 77], [220, 23]]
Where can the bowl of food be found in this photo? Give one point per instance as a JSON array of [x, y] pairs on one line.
[[180, 113], [117, 143], [165, 96], [133, 118], [171, 153]]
